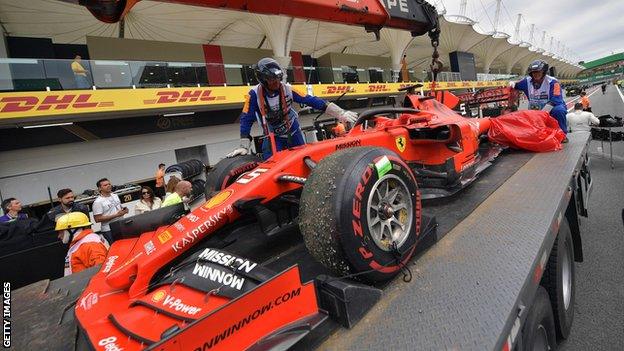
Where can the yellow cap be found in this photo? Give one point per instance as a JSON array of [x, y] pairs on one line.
[[72, 220]]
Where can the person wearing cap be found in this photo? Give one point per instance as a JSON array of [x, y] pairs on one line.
[[86, 249], [581, 121], [272, 100], [543, 92]]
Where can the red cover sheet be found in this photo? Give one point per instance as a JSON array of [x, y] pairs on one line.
[[527, 130]]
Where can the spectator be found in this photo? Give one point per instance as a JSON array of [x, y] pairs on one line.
[[580, 120], [107, 207], [182, 190], [67, 205], [148, 201], [86, 248], [585, 102], [159, 189], [80, 74], [11, 208], [171, 184]]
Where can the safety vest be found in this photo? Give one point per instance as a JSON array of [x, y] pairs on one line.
[[538, 97], [89, 238], [277, 110]]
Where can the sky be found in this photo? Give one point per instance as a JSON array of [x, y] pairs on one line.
[[590, 29]]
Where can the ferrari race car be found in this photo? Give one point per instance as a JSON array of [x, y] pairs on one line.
[[356, 200]]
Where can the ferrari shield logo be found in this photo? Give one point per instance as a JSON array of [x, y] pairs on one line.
[[400, 143]]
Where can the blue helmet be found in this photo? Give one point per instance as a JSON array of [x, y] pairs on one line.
[[538, 66], [266, 69]]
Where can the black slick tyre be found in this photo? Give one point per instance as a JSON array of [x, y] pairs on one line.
[[539, 328], [226, 171], [360, 213], [559, 281]]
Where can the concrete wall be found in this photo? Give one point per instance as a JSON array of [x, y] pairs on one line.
[[101, 48], [362, 62], [27, 173], [244, 56]]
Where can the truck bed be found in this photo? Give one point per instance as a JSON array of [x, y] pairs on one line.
[[469, 288]]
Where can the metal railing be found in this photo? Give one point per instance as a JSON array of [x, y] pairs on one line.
[[53, 74]]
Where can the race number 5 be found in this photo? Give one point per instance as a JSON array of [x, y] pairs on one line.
[[249, 176]]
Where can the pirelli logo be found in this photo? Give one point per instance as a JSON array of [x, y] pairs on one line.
[[50, 102], [172, 96]]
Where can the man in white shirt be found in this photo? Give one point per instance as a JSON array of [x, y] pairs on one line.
[[107, 207], [579, 120]]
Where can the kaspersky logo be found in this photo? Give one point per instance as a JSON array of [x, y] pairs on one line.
[[50, 102]]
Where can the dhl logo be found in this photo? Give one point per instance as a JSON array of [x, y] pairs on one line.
[[169, 97], [373, 88], [50, 102], [337, 89]]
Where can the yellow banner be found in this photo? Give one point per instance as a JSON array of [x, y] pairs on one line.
[[52, 103], [334, 90], [78, 102]]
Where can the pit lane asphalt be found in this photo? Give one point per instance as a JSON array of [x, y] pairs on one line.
[[599, 307]]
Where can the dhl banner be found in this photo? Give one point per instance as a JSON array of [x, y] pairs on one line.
[[67, 102], [15, 105]]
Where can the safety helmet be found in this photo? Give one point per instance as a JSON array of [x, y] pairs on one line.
[[538, 66], [72, 220], [267, 68]]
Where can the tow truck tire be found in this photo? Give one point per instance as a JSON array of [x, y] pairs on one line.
[[226, 171], [559, 280], [352, 209], [538, 333]]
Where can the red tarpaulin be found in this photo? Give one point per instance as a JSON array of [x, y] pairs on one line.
[[527, 130]]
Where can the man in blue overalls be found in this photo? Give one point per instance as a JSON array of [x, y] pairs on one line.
[[273, 99], [543, 92]]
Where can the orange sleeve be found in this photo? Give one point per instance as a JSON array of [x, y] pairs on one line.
[[557, 89], [87, 256], [246, 105]]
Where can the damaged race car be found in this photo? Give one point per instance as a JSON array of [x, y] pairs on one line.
[[356, 200]]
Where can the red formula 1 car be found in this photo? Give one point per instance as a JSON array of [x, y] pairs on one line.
[[355, 198]]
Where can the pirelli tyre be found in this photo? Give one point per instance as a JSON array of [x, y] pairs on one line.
[[226, 171], [360, 213], [559, 280]]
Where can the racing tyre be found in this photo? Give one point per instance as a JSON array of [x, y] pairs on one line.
[[226, 171], [360, 213], [559, 280], [539, 329]]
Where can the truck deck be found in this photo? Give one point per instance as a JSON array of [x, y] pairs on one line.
[[469, 289]]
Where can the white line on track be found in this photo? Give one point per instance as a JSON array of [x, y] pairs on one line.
[[620, 92]]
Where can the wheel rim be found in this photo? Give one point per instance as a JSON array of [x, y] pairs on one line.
[[389, 212], [540, 342], [566, 277]]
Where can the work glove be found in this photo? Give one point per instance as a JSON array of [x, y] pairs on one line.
[[343, 116], [243, 149]]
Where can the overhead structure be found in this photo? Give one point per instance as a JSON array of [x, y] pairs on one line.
[[191, 21]]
